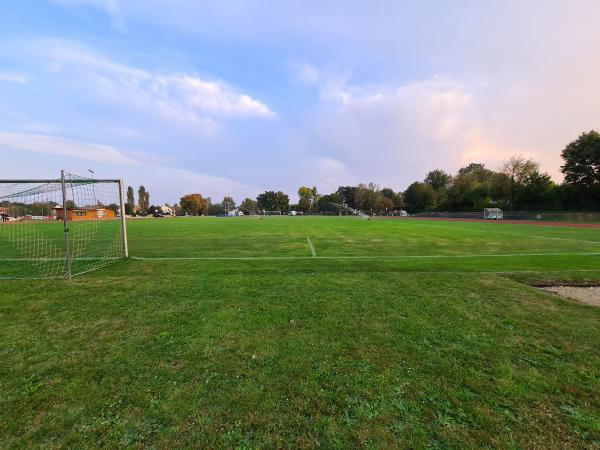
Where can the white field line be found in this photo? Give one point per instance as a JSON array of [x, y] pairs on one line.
[[374, 257], [75, 259], [420, 272], [312, 249]]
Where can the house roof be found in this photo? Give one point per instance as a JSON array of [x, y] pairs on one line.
[[83, 208]]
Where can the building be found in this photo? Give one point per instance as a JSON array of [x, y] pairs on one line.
[[166, 210], [86, 213]]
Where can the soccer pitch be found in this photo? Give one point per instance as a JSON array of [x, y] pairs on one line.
[[308, 332]]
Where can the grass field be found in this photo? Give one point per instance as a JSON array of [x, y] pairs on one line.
[[305, 332]]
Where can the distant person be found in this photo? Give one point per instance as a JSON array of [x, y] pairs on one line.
[[4, 217]]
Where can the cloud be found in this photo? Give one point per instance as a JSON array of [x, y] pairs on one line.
[[187, 181], [392, 134], [330, 173], [183, 99], [58, 146], [209, 97], [379, 112], [166, 183], [13, 77]]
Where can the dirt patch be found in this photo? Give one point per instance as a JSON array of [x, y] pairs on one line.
[[585, 294]]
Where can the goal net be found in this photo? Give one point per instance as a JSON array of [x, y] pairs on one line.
[[493, 214], [271, 213], [60, 227]]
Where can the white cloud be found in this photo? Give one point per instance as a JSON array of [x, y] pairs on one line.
[[166, 183], [210, 97], [13, 77], [183, 99], [392, 135], [58, 146]]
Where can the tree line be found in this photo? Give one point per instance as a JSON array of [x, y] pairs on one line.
[[518, 184], [143, 204]]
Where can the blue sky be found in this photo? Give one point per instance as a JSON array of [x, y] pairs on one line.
[[235, 97]]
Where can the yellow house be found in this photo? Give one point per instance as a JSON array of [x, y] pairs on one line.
[[74, 214]]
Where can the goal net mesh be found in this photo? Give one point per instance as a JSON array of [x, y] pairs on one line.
[[33, 241]]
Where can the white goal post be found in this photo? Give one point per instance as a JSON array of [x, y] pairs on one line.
[[493, 214], [59, 228]]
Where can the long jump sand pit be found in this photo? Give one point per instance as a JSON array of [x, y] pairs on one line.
[[585, 294]]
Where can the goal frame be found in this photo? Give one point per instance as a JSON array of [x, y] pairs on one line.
[[63, 182], [496, 214]]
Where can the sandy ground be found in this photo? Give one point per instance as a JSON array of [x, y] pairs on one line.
[[588, 294]]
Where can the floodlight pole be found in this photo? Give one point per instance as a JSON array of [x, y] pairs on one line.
[[66, 224], [123, 220]]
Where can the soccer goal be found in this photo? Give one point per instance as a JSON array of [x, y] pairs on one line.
[[493, 214], [59, 228], [271, 213]]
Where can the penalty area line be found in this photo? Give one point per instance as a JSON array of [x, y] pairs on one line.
[[312, 249]]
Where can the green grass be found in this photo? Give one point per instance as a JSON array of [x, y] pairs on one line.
[[228, 333]]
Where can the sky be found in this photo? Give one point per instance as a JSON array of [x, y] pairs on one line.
[[235, 97]]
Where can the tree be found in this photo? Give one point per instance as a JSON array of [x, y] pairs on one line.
[[517, 169], [143, 199], [273, 201], [470, 189], [534, 191], [114, 208], [228, 203], [330, 203], [439, 180], [396, 198], [193, 204], [308, 197], [248, 206], [365, 196], [419, 197], [347, 195], [382, 203], [582, 160], [471, 168], [387, 193], [130, 205], [478, 195], [215, 209]]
